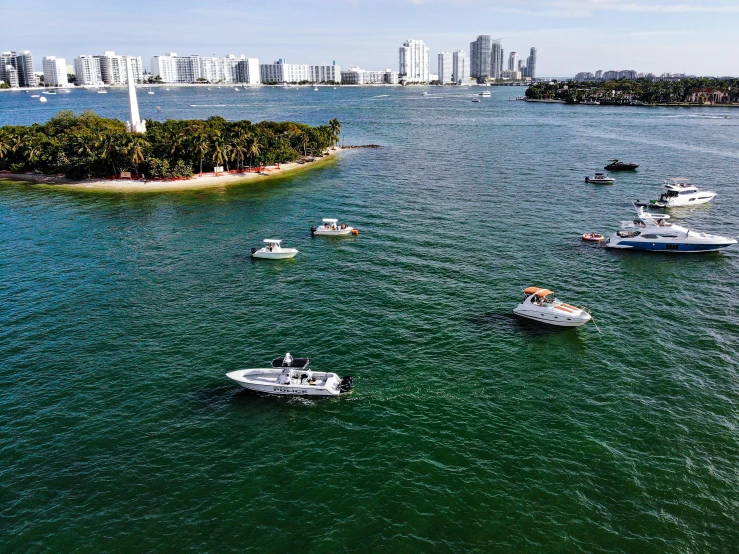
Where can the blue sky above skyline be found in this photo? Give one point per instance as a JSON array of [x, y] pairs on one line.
[[570, 35]]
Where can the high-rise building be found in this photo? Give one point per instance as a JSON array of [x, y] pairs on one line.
[[599, 74], [522, 67], [87, 71], [247, 71], [16, 69], [480, 56], [171, 68], [413, 61], [55, 71], [460, 67], [513, 61], [283, 72], [445, 68], [324, 73], [113, 68], [496, 59], [531, 63]]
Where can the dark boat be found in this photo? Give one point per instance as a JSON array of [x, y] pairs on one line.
[[616, 165]]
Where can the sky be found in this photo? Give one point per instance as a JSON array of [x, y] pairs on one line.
[[698, 37]]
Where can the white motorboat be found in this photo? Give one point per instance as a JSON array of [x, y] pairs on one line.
[[291, 376], [42, 99], [315, 89], [102, 91], [272, 250], [486, 94], [540, 304], [681, 193], [600, 178], [331, 228], [652, 232]]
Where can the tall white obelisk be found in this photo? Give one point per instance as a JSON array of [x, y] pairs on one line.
[[136, 124]]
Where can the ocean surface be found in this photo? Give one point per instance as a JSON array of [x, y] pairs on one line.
[[469, 430]]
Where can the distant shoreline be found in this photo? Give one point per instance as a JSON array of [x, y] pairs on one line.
[[196, 182], [672, 105]]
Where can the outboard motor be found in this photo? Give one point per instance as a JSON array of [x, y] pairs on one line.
[[313, 231], [346, 385], [253, 250]]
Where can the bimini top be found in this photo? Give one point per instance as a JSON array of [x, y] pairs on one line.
[[273, 241], [538, 291], [326, 220]]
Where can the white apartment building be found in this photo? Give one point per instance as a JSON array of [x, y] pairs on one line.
[[55, 71], [513, 61], [247, 71], [460, 67], [87, 71], [171, 68], [446, 68], [113, 68], [357, 76], [413, 61], [325, 73], [214, 70], [16, 69], [281, 72]]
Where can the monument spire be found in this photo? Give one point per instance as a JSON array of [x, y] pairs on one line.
[[135, 124]]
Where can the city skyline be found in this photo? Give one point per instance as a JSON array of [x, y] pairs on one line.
[[665, 37]]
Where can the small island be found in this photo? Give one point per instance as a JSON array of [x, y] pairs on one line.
[[98, 152], [639, 92]]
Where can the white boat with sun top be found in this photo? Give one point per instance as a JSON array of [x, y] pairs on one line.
[[331, 228], [273, 251], [680, 192], [540, 304], [652, 232], [291, 376]]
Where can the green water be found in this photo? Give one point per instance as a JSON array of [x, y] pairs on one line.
[[469, 430]]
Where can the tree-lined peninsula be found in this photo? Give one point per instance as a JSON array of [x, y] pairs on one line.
[[640, 92], [89, 146]]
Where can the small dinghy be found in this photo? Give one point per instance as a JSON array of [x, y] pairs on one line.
[[273, 251], [291, 376], [600, 178], [593, 237], [331, 228], [540, 304]]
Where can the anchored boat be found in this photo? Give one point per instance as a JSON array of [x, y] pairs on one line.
[[652, 232], [600, 178], [680, 193], [540, 304], [273, 251], [291, 376], [331, 228]]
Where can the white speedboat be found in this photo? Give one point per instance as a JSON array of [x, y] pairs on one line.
[[652, 232], [540, 304], [272, 250], [600, 178], [331, 228], [291, 376], [681, 193], [486, 94]]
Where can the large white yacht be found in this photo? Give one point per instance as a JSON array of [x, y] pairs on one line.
[[291, 376], [540, 304], [653, 232], [681, 193]]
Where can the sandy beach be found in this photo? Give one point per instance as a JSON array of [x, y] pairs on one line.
[[207, 180]]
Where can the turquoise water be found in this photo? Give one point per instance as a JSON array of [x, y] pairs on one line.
[[469, 430]]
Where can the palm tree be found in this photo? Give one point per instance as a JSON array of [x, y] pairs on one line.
[[201, 146], [253, 148], [136, 150], [238, 151], [304, 141], [6, 144], [108, 147], [335, 126], [219, 152]]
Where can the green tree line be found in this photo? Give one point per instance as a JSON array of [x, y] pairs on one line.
[[646, 90], [86, 146]]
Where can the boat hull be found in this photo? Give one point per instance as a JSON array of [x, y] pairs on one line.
[[332, 233], [560, 320], [267, 381], [285, 254], [600, 181], [678, 247]]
